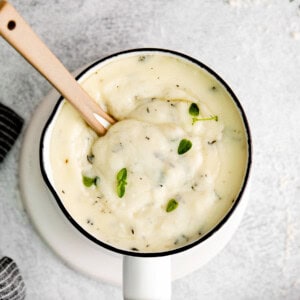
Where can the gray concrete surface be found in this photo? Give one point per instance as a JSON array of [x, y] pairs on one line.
[[255, 47]]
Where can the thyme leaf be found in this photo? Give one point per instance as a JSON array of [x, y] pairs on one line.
[[121, 182], [194, 110], [172, 204], [121, 189], [122, 175], [184, 146], [89, 181]]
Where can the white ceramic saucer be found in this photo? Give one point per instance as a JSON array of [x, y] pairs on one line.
[[73, 248]]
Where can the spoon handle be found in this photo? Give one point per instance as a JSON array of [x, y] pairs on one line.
[[19, 35]]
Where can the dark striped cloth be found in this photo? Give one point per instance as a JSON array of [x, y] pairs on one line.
[[12, 286], [10, 128]]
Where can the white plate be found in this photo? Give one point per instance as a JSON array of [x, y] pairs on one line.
[[73, 248]]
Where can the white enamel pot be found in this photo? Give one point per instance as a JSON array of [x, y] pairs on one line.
[[148, 275]]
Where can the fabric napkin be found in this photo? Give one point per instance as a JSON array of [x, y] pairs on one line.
[[10, 127], [12, 286]]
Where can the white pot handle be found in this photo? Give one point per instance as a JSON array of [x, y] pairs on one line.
[[146, 278]]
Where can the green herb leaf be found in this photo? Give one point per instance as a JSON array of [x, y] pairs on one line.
[[211, 118], [184, 146], [89, 181], [121, 182], [172, 204], [122, 175], [121, 189], [194, 110]]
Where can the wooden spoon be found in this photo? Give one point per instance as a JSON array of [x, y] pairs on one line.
[[19, 35]]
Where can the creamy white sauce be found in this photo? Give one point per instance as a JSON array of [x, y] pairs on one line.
[[150, 95]]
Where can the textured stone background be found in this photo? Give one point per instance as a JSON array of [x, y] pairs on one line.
[[255, 47]]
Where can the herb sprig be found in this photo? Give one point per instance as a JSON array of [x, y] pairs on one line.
[[211, 118], [194, 111]]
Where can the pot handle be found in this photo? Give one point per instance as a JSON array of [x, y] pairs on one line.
[[146, 278]]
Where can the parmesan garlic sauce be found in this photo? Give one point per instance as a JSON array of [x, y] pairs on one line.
[[171, 167]]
